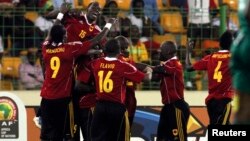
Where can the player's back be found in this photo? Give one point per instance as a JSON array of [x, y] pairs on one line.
[[110, 77], [219, 77], [59, 62]]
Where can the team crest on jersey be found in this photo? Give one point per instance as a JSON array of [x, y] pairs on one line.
[[91, 28], [175, 132]]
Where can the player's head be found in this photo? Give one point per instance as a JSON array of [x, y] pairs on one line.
[[226, 40], [93, 11], [168, 50], [124, 43], [138, 6], [57, 33], [112, 48]]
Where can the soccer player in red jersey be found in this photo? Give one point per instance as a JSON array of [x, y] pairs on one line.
[[175, 112], [220, 91], [58, 60], [110, 75], [82, 27], [130, 101]]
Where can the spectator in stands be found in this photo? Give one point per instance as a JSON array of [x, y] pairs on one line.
[[199, 18], [31, 74], [57, 3], [137, 49], [25, 35], [6, 17], [146, 26], [151, 11]]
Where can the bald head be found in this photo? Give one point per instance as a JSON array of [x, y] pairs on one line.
[[168, 50]]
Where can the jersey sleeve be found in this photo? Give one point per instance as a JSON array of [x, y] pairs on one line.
[[201, 64], [80, 48], [131, 73]]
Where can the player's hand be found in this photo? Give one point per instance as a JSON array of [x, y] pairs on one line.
[[112, 20], [190, 46], [94, 52], [65, 7]]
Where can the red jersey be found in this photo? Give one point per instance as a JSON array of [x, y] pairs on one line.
[[59, 63], [172, 84], [130, 101], [110, 78], [79, 29], [219, 77]]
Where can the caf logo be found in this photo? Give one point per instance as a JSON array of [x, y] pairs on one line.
[[8, 109]]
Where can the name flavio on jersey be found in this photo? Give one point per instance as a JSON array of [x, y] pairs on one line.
[[107, 66]]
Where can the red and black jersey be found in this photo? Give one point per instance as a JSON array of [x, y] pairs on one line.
[[219, 77], [59, 61], [111, 75], [172, 83]]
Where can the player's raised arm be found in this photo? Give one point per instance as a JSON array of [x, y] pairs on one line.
[[104, 32], [188, 65]]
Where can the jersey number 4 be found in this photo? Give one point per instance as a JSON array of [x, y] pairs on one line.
[[105, 83], [217, 73]]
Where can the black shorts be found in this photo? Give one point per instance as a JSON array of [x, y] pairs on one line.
[[54, 115], [173, 122], [107, 122], [199, 31], [219, 111]]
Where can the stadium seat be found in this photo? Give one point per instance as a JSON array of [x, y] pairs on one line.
[[209, 44], [10, 66], [87, 2], [161, 6], [183, 40], [124, 4], [172, 22], [78, 4], [234, 18], [232, 3], [161, 38], [6, 85]]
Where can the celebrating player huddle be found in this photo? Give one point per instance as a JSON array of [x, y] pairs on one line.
[[90, 82]]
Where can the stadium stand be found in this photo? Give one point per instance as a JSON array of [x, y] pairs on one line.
[[10, 66]]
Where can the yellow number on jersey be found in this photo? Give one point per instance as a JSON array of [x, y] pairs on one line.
[[82, 34], [217, 73], [55, 65], [105, 84]]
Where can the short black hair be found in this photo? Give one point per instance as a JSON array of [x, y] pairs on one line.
[[134, 2], [169, 47], [123, 41], [57, 33], [112, 48], [226, 40]]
